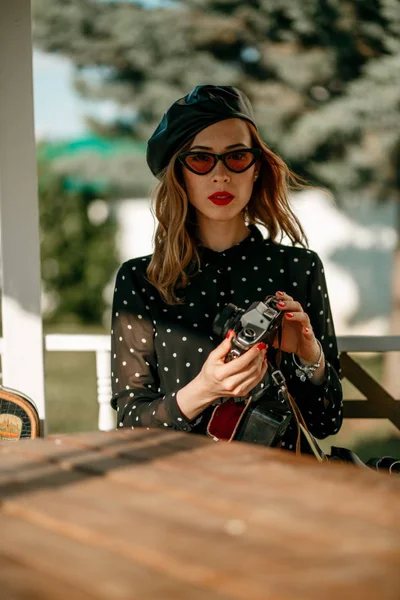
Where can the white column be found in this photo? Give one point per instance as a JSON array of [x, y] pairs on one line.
[[22, 361]]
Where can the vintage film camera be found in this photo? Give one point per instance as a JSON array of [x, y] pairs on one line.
[[259, 323], [268, 415]]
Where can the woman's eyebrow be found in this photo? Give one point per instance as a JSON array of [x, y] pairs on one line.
[[226, 148]]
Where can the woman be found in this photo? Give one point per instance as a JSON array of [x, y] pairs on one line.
[[217, 180]]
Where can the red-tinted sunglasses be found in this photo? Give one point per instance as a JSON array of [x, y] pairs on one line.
[[237, 161]]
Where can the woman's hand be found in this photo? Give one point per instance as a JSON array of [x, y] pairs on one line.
[[218, 379], [297, 333], [235, 378]]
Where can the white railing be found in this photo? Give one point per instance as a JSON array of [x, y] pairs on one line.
[[100, 344]]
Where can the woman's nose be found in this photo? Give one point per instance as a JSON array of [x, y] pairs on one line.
[[220, 172]]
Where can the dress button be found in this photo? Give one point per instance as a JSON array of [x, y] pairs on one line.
[[219, 271]]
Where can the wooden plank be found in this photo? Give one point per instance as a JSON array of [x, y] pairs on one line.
[[364, 409], [246, 476], [145, 446], [23, 473], [251, 565], [368, 343], [235, 519], [234, 465], [40, 464], [233, 500], [109, 441], [379, 403], [21, 582], [90, 569]]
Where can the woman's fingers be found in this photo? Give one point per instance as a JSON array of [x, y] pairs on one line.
[[287, 303], [283, 296], [223, 348], [241, 383], [299, 317], [236, 377], [243, 362], [308, 333], [293, 310], [290, 305]]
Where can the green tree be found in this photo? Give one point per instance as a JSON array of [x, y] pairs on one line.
[[321, 73], [78, 254], [323, 76]]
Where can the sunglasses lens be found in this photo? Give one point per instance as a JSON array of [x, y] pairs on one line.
[[201, 163], [238, 161]]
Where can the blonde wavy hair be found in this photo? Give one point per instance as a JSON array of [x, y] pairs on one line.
[[176, 258]]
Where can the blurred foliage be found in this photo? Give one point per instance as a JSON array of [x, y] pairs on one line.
[[323, 76], [78, 253], [104, 163]]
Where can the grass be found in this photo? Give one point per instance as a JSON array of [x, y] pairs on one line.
[[71, 391], [71, 385]]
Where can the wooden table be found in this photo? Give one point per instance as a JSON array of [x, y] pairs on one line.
[[164, 515]]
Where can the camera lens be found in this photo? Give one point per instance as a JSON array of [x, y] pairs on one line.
[[226, 319]]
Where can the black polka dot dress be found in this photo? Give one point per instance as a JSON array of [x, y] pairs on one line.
[[158, 348]]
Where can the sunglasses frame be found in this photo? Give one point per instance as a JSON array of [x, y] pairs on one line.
[[256, 152]]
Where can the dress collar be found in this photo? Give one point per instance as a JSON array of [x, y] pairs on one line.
[[245, 248]]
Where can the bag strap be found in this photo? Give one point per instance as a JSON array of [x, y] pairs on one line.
[[286, 395], [279, 351], [280, 381]]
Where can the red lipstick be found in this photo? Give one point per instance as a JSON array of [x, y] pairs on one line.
[[221, 198]]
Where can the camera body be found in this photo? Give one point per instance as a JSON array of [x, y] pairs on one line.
[[268, 415], [259, 323]]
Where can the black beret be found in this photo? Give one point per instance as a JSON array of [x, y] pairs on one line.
[[203, 106]]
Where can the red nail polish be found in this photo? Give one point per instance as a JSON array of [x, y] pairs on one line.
[[281, 303], [289, 315], [261, 346], [229, 334], [306, 330], [280, 293]]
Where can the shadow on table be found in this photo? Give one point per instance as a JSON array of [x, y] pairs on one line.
[[68, 464]]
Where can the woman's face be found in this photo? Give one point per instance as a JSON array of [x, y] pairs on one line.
[[231, 134]]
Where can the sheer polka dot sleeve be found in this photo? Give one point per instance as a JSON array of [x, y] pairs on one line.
[[136, 392], [321, 405]]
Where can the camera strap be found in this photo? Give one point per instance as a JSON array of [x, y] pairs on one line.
[[279, 380], [279, 351], [284, 394]]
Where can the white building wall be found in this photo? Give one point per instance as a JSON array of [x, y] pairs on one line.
[[330, 231]]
